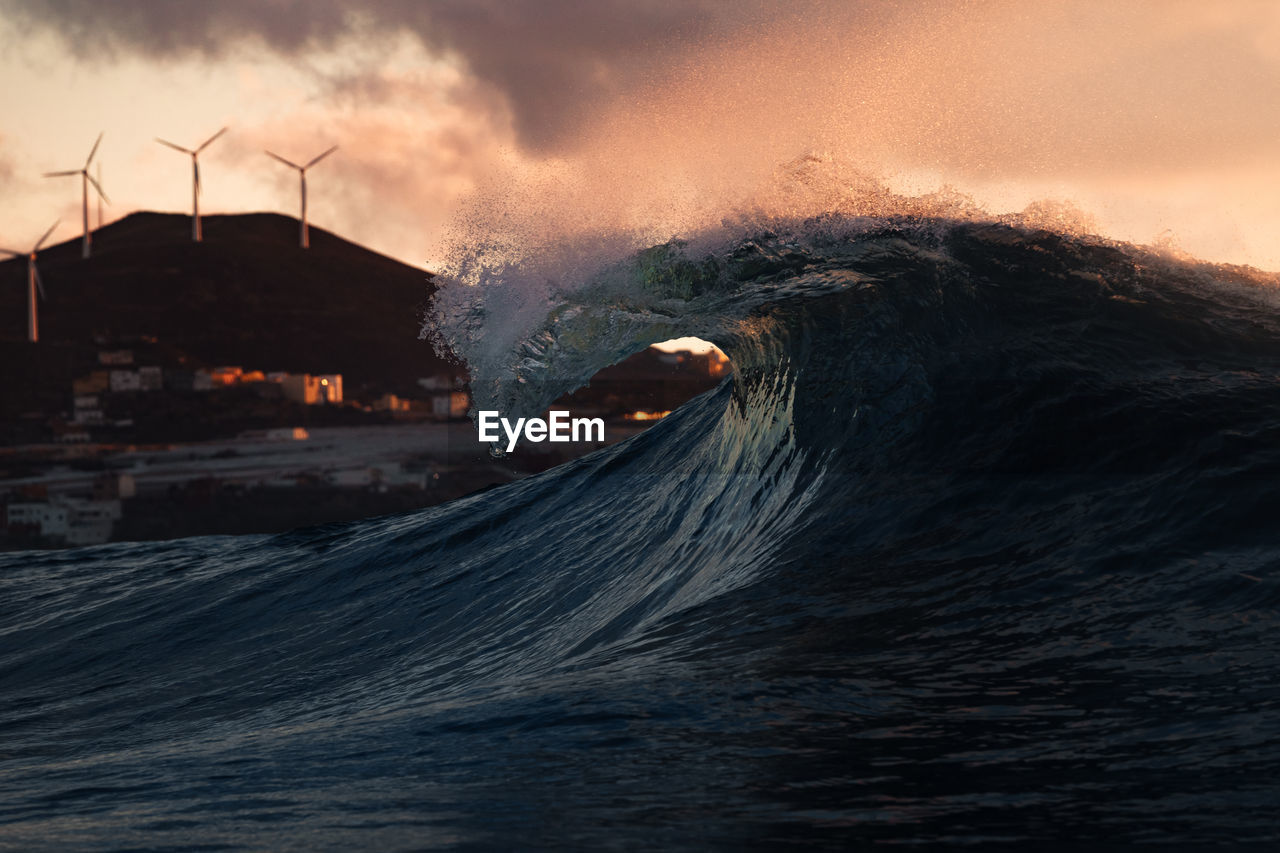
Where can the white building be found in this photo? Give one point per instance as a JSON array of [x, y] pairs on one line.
[[43, 519], [125, 380], [92, 512], [71, 520], [150, 378]]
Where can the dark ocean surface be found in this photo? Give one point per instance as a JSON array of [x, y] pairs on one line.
[[978, 546]]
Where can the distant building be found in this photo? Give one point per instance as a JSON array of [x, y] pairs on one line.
[[86, 409], [88, 533], [39, 519], [223, 376], [449, 404], [331, 388], [150, 379], [91, 522], [67, 520], [312, 390], [125, 380], [95, 383], [390, 403], [115, 357], [92, 512], [298, 388]]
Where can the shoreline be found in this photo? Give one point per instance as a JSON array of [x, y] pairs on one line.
[[256, 484]]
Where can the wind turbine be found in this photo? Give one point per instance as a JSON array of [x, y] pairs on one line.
[[303, 239], [33, 283], [85, 180], [195, 179]]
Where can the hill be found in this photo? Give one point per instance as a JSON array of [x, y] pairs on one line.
[[248, 295]]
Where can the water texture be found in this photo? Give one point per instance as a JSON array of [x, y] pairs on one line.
[[977, 546]]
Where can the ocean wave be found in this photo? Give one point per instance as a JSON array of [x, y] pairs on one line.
[[973, 546]]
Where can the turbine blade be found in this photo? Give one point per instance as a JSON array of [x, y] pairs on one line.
[[175, 147], [39, 281], [93, 151], [11, 252], [40, 242], [207, 142], [289, 163], [97, 187], [61, 174], [317, 159]]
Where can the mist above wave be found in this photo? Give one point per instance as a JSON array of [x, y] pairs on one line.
[[535, 314]]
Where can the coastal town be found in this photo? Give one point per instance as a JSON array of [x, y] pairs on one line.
[[292, 449]]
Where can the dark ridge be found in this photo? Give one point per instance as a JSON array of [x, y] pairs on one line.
[[248, 295]]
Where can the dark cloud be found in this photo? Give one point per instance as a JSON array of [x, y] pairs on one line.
[[662, 113], [554, 60], [179, 27]]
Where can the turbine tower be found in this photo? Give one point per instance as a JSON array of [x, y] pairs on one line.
[[195, 179], [33, 283], [303, 239], [85, 180]]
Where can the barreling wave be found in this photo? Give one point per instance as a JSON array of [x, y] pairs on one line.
[[975, 545]]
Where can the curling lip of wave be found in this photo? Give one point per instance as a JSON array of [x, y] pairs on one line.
[[712, 287]]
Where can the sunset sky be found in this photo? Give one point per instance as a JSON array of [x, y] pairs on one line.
[[458, 118]]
